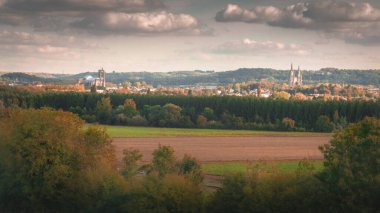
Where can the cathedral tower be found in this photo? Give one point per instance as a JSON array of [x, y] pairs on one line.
[[102, 78], [295, 77]]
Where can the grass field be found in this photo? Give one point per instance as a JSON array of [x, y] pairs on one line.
[[142, 132], [282, 167]]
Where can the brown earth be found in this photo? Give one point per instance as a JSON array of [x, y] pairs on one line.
[[226, 149]]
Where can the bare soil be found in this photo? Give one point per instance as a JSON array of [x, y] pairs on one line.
[[227, 149]]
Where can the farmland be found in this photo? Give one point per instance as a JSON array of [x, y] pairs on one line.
[[229, 149], [225, 151]]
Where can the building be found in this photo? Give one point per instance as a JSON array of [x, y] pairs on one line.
[[102, 78], [295, 77], [95, 83]]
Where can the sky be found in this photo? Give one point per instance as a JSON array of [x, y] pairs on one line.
[[73, 36]]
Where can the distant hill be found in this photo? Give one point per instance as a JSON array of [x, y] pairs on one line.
[[26, 78], [178, 78], [329, 75]]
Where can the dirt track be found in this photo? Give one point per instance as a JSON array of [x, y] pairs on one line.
[[224, 149]]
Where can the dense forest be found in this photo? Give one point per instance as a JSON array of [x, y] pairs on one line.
[[204, 112], [65, 166], [327, 75]]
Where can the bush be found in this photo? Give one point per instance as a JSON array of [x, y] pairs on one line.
[[137, 120], [168, 194], [265, 191]]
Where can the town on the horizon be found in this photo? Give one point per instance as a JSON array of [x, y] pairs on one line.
[[292, 88]]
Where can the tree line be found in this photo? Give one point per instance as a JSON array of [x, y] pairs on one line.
[[51, 162], [204, 112]]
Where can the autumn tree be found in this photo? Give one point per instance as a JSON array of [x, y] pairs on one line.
[[50, 162], [201, 121], [125, 111], [299, 96], [288, 123], [130, 103], [2, 108], [281, 95]]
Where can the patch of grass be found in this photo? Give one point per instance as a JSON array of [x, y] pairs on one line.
[[142, 132], [282, 167]]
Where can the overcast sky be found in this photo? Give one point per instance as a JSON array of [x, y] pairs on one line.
[[72, 36]]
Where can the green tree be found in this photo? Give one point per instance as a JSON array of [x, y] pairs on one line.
[[172, 115], [191, 169], [323, 124], [352, 171], [164, 160], [209, 113], [154, 114], [131, 159], [104, 110]]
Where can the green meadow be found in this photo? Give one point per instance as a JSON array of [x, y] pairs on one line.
[[141, 132], [242, 167]]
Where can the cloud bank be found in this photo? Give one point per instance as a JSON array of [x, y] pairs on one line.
[[98, 16], [26, 44], [354, 22], [154, 22]]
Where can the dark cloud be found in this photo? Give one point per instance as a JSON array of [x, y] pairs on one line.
[[83, 5], [333, 11], [354, 22]]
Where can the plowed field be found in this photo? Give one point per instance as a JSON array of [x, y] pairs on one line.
[[227, 149]]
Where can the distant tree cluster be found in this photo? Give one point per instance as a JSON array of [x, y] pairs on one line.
[[201, 112], [51, 162]]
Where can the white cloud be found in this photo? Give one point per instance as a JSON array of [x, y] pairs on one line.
[[247, 45], [20, 44], [154, 22], [290, 16]]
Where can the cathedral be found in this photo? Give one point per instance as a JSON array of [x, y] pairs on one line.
[[295, 77]]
